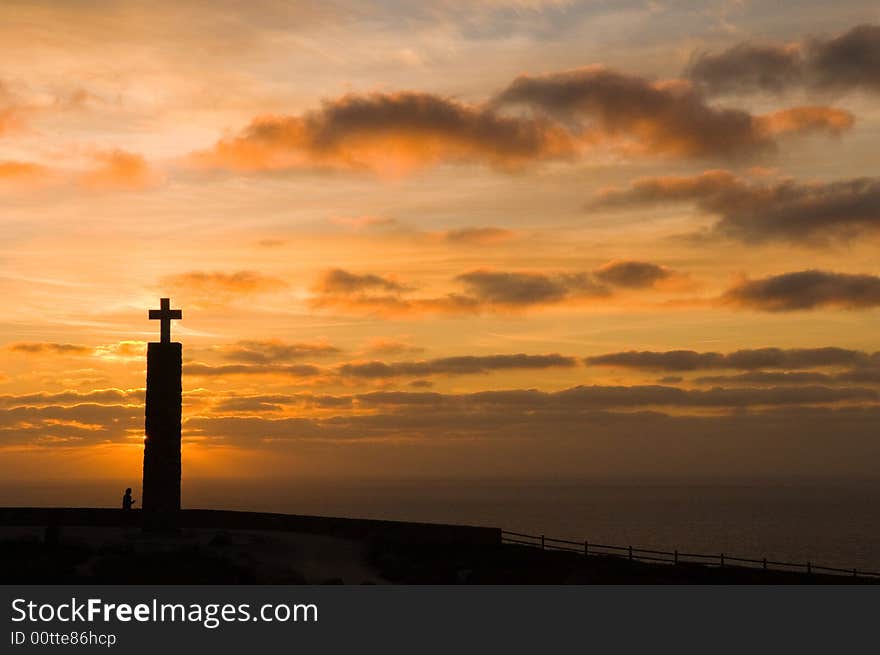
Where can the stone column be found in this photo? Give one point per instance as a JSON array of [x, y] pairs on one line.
[[161, 491]]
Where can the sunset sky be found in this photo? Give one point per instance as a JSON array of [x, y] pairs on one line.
[[449, 238]]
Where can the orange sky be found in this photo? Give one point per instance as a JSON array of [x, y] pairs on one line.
[[415, 240]]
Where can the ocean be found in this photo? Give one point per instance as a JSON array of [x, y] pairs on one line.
[[833, 523]]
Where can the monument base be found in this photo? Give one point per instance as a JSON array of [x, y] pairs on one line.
[[161, 490]]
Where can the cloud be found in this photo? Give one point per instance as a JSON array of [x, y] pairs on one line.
[[12, 110], [270, 243], [769, 377], [246, 405], [273, 351], [123, 350], [669, 117], [114, 170], [396, 305], [862, 375], [479, 235], [578, 415], [8, 120], [632, 274], [804, 290], [63, 398], [501, 414], [380, 346], [199, 369], [522, 441], [363, 222], [48, 348], [339, 281], [391, 133], [218, 287], [80, 424], [806, 119], [522, 289], [118, 169], [572, 112], [747, 359], [463, 365], [376, 369], [755, 211], [593, 397], [847, 62], [21, 171], [485, 290]]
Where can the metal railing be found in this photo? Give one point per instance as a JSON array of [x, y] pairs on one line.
[[588, 549]]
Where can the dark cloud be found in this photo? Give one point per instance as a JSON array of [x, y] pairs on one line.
[[49, 348], [804, 290], [748, 359], [747, 67], [520, 441], [769, 377], [294, 370], [339, 281], [850, 61], [761, 211], [669, 117], [277, 402], [376, 369], [579, 415], [571, 112], [456, 365], [590, 398], [863, 375], [485, 291], [521, 289], [479, 235], [267, 352], [80, 424], [869, 373], [380, 346], [595, 430], [632, 274], [390, 131]]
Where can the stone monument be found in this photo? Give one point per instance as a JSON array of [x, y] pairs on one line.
[[161, 490]]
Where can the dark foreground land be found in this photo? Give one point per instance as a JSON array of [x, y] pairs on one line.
[[53, 545]]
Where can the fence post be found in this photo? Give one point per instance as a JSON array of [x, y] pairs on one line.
[[586, 548], [630, 552], [722, 560], [675, 554], [542, 542]]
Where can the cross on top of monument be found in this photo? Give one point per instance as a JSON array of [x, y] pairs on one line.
[[165, 315]]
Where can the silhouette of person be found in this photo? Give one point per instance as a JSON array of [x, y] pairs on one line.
[[127, 500]]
